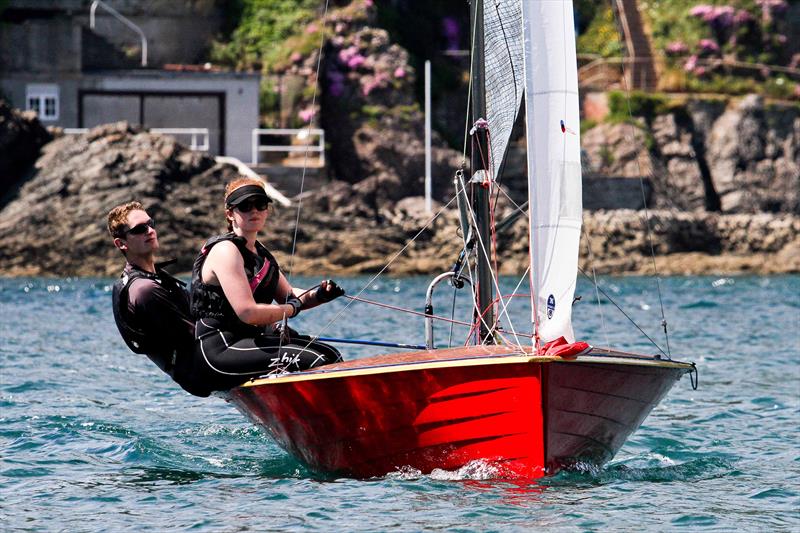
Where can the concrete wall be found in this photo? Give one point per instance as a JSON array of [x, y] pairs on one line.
[[51, 45]]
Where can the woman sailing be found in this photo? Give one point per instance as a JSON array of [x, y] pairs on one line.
[[240, 298]]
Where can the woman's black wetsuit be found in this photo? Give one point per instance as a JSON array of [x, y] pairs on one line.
[[232, 351]]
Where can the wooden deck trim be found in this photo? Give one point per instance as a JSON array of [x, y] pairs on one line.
[[485, 357]]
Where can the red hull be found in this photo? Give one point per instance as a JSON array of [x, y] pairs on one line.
[[443, 409]]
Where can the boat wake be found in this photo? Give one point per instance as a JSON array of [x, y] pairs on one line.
[[478, 470], [658, 469]]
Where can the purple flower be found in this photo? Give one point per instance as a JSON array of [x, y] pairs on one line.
[[703, 11], [306, 114], [452, 32], [336, 89], [776, 6], [355, 61], [707, 45], [345, 54], [690, 64], [335, 76], [677, 48], [719, 17], [742, 17], [399, 72]]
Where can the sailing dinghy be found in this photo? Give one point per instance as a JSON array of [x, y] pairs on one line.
[[529, 410]]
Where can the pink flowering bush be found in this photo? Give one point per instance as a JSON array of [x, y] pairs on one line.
[[676, 48], [708, 46], [306, 115]]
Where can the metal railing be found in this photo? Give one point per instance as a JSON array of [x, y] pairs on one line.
[[124, 20], [198, 137], [302, 135]]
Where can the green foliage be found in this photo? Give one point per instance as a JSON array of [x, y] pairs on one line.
[[601, 36], [622, 106], [263, 27], [775, 87], [587, 124]]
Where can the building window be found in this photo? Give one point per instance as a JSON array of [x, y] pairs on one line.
[[44, 100]]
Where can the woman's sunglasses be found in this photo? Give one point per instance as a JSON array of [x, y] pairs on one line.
[[247, 205], [141, 229]]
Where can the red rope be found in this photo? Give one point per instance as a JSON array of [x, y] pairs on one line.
[[404, 310]]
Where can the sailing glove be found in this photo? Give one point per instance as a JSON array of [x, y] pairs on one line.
[[328, 290], [296, 306]]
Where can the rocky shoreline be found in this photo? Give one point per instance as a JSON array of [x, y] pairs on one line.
[[54, 224]]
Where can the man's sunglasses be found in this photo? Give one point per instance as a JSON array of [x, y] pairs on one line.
[[141, 229], [247, 205]]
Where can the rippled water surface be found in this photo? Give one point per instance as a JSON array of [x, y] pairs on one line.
[[94, 438]]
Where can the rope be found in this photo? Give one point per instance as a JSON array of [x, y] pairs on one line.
[[409, 311]]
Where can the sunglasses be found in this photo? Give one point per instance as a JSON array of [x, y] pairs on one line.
[[141, 229], [247, 205]]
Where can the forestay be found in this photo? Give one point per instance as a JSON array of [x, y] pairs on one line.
[[554, 171]]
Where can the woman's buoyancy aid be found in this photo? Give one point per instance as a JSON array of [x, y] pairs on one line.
[[209, 301], [166, 345]]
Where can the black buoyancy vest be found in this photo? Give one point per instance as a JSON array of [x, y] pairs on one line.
[[262, 271], [161, 351]]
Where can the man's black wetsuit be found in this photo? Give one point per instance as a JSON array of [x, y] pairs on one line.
[[152, 314], [233, 351]]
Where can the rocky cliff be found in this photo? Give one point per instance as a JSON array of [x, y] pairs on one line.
[[56, 224], [21, 138], [722, 155]]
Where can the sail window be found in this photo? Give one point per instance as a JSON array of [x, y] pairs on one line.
[[43, 99], [570, 194]]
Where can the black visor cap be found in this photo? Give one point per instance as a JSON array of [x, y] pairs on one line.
[[243, 193]]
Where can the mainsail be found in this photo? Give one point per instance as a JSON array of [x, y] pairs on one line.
[[554, 170]]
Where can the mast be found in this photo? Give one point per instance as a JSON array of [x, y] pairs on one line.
[[479, 158]]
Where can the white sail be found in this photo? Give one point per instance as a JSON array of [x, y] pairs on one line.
[[554, 170]]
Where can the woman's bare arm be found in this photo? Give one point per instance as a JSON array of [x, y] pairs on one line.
[[226, 266]]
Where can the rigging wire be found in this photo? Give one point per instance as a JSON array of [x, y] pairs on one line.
[[305, 163], [493, 274], [381, 271], [632, 138], [308, 132], [469, 94], [594, 281], [654, 343]]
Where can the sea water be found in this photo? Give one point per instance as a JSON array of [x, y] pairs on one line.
[[95, 438]]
